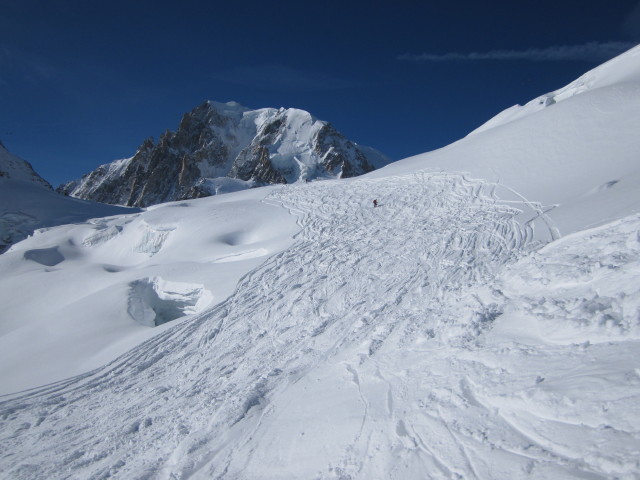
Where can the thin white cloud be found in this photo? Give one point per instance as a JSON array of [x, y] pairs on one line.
[[588, 52], [276, 76]]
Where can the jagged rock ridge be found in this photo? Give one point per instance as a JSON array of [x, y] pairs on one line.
[[224, 147]]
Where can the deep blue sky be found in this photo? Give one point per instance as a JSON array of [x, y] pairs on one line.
[[85, 82]]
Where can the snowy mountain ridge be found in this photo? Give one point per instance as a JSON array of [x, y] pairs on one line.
[[481, 322], [27, 202], [576, 161], [15, 168], [225, 147], [622, 69]]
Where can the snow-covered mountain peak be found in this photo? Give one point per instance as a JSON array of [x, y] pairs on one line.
[[14, 168], [622, 69], [228, 108], [223, 147]]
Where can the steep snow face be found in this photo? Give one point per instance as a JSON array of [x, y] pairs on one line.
[[216, 141], [15, 168], [622, 69], [27, 202], [577, 159]]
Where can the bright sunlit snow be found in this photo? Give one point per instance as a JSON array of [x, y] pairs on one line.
[[482, 322], [88, 293]]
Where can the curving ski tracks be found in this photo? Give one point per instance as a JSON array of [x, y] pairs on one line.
[[356, 353]]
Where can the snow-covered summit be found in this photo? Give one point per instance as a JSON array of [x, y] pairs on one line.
[[622, 69], [15, 168], [230, 109], [224, 147]]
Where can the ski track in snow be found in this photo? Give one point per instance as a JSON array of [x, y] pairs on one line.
[[360, 352]]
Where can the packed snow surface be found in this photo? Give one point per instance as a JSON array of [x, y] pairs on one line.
[[394, 342], [473, 325]]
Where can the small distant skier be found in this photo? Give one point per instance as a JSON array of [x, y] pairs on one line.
[[375, 203]]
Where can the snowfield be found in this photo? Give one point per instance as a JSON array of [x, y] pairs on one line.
[[81, 295], [482, 322]]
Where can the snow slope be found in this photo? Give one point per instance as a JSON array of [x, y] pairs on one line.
[[92, 291], [366, 350], [14, 168], [577, 158], [619, 70], [456, 331], [27, 202]]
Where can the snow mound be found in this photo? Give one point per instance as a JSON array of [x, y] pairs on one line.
[[592, 277], [26, 206], [154, 301]]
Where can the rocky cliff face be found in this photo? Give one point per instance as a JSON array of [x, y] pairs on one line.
[[219, 148]]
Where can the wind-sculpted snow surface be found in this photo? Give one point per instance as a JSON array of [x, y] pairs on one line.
[[365, 350]]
